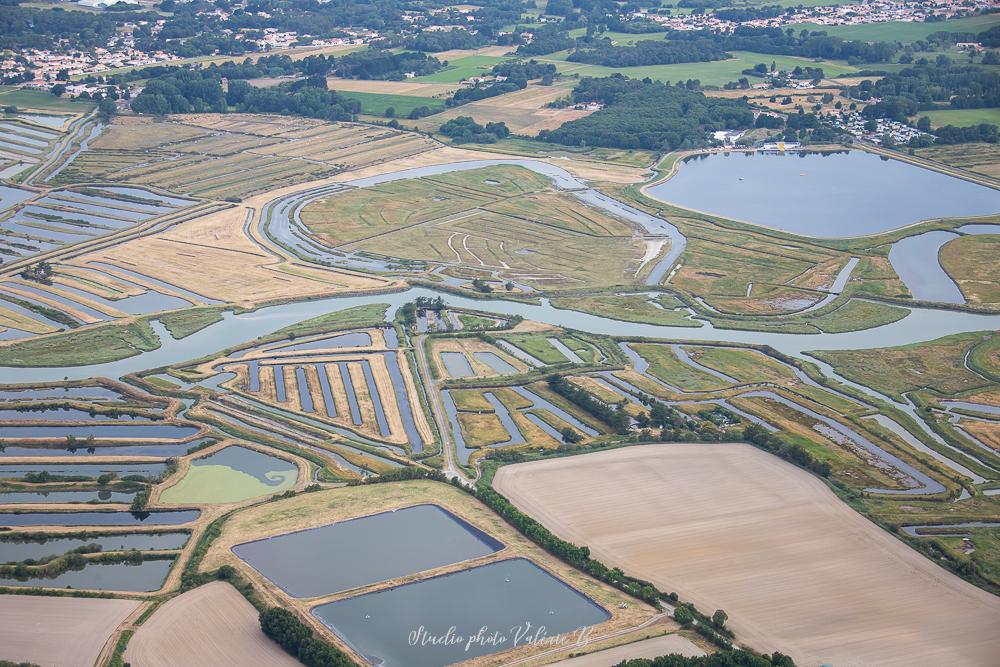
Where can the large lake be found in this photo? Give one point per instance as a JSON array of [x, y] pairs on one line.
[[822, 194]]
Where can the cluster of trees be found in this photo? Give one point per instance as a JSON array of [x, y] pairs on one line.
[[547, 40], [481, 91], [647, 114], [758, 435], [925, 87], [298, 640], [194, 91], [40, 272], [950, 134], [465, 130], [728, 658], [614, 416], [385, 65], [184, 91], [524, 70], [307, 97], [650, 52]]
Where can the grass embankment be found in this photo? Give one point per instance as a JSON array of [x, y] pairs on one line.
[[357, 316], [93, 345]]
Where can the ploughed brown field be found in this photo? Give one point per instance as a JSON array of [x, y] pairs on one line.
[[797, 570], [58, 631], [210, 626]]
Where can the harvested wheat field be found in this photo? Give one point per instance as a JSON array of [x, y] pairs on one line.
[[729, 526], [75, 629], [212, 625], [647, 648]]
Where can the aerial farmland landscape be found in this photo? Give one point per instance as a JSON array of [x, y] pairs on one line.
[[580, 333]]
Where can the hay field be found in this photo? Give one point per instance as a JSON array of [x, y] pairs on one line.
[[407, 87], [524, 111], [728, 526], [210, 626], [75, 629], [212, 256], [971, 263]]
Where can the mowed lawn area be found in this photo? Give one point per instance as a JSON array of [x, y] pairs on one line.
[[963, 117]]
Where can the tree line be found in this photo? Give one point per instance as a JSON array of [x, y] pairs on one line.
[[614, 416]]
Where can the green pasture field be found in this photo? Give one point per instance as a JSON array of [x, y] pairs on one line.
[[938, 365], [375, 104], [665, 365], [462, 68], [714, 73], [92, 345], [963, 117], [38, 99], [899, 31]]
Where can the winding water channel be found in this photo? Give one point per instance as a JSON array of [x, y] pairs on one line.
[[280, 221]]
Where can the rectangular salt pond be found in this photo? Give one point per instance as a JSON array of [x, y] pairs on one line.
[[510, 597], [89, 470], [12, 551], [382, 546], [136, 431], [457, 365], [165, 518], [146, 576]]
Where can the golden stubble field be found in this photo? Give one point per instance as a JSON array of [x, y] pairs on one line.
[[75, 629], [729, 526], [209, 626]]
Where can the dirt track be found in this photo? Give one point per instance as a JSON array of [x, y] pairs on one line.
[[58, 631], [210, 626], [728, 526]]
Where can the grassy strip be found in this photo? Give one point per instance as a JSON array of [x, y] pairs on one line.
[[186, 322], [50, 313], [117, 658]]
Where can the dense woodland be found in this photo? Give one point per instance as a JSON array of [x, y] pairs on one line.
[[190, 91], [650, 52], [647, 114], [925, 87]]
